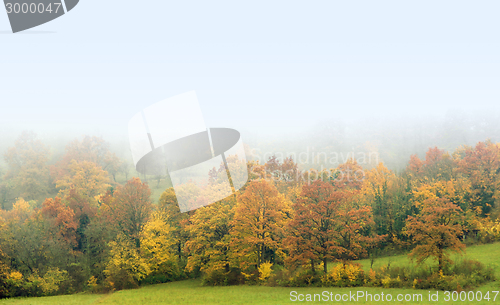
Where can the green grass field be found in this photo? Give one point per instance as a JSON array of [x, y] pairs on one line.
[[191, 291]]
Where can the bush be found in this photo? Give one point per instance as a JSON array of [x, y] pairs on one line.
[[344, 275], [489, 231], [159, 279], [120, 279], [54, 281], [305, 277], [280, 276], [463, 274], [300, 277], [348, 275], [14, 285], [265, 271], [169, 273], [222, 278], [125, 268], [92, 285]]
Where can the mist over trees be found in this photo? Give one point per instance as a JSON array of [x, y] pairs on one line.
[[392, 139], [82, 218]]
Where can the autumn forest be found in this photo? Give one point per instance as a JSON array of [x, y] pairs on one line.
[[88, 222]]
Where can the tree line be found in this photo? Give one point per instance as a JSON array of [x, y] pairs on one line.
[[70, 226]]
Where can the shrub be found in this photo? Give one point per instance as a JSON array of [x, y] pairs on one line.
[[158, 278], [168, 272], [220, 277], [120, 279], [125, 268], [14, 283], [300, 277], [15, 278], [265, 271], [489, 231], [464, 274], [280, 277], [92, 284], [52, 280], [344, 275]]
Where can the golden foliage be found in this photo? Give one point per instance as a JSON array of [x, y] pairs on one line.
[[156, 243], [345, 275], [51, 280], [124, 258], [265, 271], [87, 178]]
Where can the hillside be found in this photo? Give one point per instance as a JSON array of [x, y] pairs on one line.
[[191, 291]]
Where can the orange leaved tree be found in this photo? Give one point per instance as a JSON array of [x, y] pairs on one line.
[[312, 231], [327, 226], [437, 228], [258, 224], [129, 208]]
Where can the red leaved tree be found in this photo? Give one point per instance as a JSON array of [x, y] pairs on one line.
[[128, 208], [311, 233], [61, 218]]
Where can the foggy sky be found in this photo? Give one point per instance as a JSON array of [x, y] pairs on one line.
[[271, 70]]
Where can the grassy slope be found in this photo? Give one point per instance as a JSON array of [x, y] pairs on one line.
[[190, 292]]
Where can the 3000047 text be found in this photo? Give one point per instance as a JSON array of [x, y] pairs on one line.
[[32, 8]]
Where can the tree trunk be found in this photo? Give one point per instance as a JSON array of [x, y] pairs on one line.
[[440, 259], [325, 266], [313, 269], [259, 255]]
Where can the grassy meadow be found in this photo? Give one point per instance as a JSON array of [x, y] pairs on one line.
[[191, 291]]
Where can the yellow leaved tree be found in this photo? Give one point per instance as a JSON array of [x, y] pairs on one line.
[[258, 225], [124, 267], [86, 178], [156, 247], [209, 243]]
